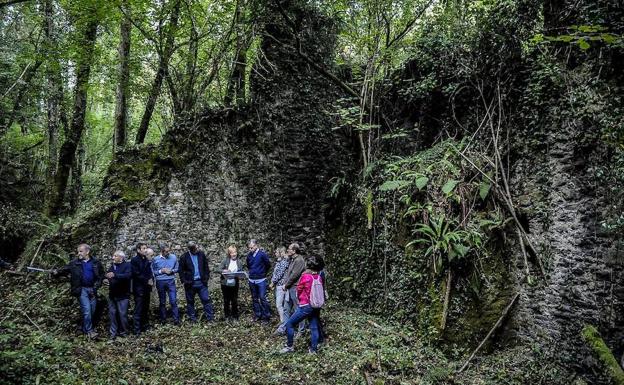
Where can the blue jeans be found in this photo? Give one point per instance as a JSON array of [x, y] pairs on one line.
[[199, 288], [118, 313], [87, 308], [293, 304], [167, 287], [261, 307], [303, 313]]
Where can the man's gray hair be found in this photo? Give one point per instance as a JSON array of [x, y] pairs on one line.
[[87, 247], [120, 253], [252, 242], [162, 246]]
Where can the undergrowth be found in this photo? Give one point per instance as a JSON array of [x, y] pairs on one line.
[[40, 344]]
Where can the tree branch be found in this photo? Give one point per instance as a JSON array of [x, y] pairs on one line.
[[11, 2]]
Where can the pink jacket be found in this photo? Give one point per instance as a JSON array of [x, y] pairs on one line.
[[305, 286]]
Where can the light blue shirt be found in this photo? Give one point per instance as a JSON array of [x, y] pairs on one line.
[[196, 266], [160, 263]]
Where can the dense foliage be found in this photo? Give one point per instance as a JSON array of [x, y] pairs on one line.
[[443, 103]]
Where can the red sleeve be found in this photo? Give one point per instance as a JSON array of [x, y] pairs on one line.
[[304, 284]]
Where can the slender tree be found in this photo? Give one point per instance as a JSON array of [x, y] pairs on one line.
[[163, 62], [123, 70], [87, 25], [54, 86], [235, 94]]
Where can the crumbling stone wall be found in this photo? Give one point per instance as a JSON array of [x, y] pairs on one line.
[[259, 172], [555, 180]]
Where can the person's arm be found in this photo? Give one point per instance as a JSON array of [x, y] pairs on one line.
[[274, 278], [99, 276], [62, 271], [303, 283], [279, 272], [134, 269], [266, 261], [124, 273], [206, 267], [156, 270], [176, 267], [297, 270], [183, 269]]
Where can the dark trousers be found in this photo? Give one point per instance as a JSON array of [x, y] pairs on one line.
[[166, 288], [261, 307], [201, 289], [141, 311], [118, 313], [303, 313], [230, 300]]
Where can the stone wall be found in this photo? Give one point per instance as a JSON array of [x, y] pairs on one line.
[[260, 172], [563, 203]]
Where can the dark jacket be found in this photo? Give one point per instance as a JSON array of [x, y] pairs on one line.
[[295, 269], [259, 265], [119, 285], [225, 264], [187, 269], [141, 274], [74, 270]]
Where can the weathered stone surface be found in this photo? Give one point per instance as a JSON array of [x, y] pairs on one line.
[[262, 172], [582, 286]]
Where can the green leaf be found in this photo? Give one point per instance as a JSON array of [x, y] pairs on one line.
[[460, 249], [583, 44], [392, 185], [449, 186], [421, 182], [484, 189]]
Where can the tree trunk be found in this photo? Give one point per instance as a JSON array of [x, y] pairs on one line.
[[17, 104], [55, 92], [76, 178], [447, 298], [235, 95], [191, 65], [68, 149], [121, 102], [160, 75]]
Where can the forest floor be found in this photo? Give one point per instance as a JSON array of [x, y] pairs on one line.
[[40, 344]]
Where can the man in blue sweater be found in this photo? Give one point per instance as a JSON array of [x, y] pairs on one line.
[[194, 274], [165, 267], [258, 265], [118, 278]]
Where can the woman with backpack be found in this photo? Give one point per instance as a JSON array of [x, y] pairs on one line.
[[311, 297]]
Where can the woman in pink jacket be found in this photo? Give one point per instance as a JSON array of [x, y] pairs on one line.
[[314, 264]]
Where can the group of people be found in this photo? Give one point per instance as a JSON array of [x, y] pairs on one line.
[[295, 280]]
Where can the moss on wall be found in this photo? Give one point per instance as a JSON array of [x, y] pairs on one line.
[[600, 349]]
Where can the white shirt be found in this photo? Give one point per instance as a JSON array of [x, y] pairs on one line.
[[233, 267]]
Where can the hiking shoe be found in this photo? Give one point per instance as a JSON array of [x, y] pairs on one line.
[[92, 335], [287, 349], [310, 351]]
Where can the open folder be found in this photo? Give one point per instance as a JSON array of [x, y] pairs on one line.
[[238, 274]]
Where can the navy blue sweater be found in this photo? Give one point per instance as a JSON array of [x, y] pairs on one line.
[[259, 265]]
